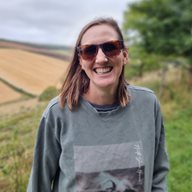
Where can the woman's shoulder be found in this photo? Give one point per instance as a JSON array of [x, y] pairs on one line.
[[137, 92], [52, 107], [138, 89]]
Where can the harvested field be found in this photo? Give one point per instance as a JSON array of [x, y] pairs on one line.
[[7, 94], [58, 52], [29, 71]]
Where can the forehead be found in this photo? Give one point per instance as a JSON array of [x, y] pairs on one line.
[[99, 34]]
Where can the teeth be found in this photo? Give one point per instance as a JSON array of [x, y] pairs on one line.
[[103, 70]]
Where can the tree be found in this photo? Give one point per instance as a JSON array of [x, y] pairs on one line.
[[164, 27]]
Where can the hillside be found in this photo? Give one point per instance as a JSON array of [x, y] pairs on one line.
[[8, 94], [47, 50], [27, 68], [30, 72]]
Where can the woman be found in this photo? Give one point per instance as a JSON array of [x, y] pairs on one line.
[[100, 134]]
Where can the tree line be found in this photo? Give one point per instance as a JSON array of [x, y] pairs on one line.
[[161, 27]]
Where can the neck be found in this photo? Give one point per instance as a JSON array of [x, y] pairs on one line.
[[101, 96]]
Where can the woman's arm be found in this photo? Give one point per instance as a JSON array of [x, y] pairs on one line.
[[161, 165], [46, 158]]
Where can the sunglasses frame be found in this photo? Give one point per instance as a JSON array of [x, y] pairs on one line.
[[117, 43]]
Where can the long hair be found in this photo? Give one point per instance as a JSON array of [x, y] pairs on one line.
[[77, 83]]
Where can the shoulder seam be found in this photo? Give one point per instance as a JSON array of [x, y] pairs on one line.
[[52, 103], [138, 88]]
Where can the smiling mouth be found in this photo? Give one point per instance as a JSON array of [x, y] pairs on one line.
[[103, 70]]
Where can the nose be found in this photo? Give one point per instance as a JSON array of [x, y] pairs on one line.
[[100, 57]]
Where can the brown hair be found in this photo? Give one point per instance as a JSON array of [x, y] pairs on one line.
[[76, 82]]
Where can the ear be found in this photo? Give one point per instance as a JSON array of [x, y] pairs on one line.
[[80, 61], [125, 56]]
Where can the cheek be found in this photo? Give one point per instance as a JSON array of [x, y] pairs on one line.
[[86, 66]]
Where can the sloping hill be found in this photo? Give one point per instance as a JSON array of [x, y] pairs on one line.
[[29, 71], [48, 50], [7, 94]]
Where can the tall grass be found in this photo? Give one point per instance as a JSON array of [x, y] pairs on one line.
[[176, 104], [179, 141], [17, 134], [178, 122]]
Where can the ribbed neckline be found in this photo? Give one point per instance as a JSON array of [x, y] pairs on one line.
[[105, 115], [104, 108]]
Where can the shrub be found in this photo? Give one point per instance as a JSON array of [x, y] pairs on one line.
[[48, 93]]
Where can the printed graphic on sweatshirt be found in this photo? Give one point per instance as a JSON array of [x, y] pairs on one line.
[[109, 168]]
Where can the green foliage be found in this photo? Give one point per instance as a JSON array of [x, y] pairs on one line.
[[140, 62], [48, 94], [164, 26], [159, 27]]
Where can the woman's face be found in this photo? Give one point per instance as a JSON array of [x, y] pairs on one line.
[[103, 71]]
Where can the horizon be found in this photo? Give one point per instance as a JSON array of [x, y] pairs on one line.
[[54, 22]]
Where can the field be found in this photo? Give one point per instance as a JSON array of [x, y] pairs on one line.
[[8, 94], [30, 72]]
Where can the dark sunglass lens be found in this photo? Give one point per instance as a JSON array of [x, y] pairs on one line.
[[89, 52], [112, 48]]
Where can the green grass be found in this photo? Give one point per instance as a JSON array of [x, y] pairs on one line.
[[17, 135], [179, 143]]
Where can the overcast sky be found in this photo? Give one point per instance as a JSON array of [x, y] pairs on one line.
[[53, 21]]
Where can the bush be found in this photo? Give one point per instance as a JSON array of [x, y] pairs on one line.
[[48, 93]]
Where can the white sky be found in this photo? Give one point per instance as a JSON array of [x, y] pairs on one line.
[[53, 21]]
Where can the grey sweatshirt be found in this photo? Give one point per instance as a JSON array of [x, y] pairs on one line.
[[89, 151]]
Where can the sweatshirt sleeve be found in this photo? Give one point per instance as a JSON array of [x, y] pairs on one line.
[[46, 157], [161, 165]]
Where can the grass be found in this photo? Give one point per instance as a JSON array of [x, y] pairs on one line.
[[178, 123], [179, 142], [17, 134]]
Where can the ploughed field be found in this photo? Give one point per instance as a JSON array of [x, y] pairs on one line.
[[29, 71], [7, 93]]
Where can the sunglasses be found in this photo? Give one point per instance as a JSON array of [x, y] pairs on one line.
[[109, 48]]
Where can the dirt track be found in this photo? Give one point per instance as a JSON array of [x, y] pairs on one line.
[[7, 94]]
